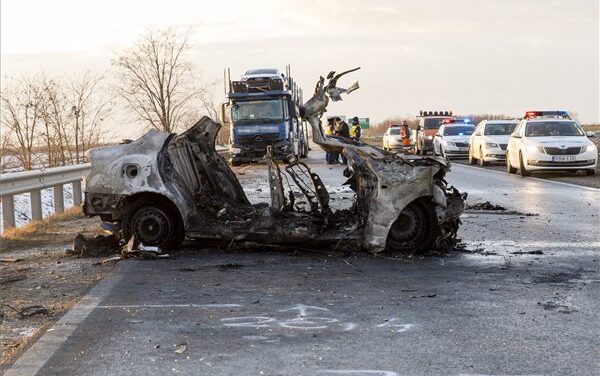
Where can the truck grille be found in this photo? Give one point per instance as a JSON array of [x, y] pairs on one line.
[[566, 151], [258, 138]]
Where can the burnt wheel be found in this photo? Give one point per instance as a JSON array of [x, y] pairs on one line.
[[415, 229], [156, 225]]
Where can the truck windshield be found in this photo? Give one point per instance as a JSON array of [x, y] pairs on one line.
[[268, 110], [499, 129], [553, 128], [433, 123], [458, 130]]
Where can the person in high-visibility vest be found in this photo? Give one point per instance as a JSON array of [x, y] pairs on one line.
[[355, 129], [405, 134]]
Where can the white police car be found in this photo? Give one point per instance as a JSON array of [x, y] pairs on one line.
[[452, 139], [549, 140], [488, 142]]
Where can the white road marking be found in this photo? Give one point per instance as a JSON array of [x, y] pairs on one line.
[[533, 244], [140, 306], [34, 359], [357, 372], [529, 177]]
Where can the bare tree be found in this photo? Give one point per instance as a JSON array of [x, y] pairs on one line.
[[89, 108], [156, 79], [21, 116]]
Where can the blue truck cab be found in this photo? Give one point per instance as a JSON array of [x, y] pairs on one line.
[[265, 112]]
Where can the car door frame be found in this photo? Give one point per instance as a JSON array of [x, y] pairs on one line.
[[515, 144], [475, 145], [437, 140]]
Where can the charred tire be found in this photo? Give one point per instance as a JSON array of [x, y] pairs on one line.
[[482, 161], [156, 225], [522, 170], [509, 168], [415, 230]]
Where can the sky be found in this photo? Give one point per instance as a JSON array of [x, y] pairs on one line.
[[471, 56]]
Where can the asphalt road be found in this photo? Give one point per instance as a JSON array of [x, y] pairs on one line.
[[488, 311]]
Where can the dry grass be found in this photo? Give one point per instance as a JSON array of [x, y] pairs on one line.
[[50, 230]]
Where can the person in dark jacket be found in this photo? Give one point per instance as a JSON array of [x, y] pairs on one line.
[[343, 131]]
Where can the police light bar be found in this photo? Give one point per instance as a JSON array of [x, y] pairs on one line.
[[532, 114], [450, 121]]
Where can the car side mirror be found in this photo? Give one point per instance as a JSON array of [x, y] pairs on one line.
[[590, 134], [515, 135]]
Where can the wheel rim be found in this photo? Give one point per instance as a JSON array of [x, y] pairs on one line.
[[409, 226], [151, 226]]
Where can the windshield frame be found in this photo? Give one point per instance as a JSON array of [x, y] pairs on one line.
[[511, 127], [433, 120], [527, 131], [278, 118]]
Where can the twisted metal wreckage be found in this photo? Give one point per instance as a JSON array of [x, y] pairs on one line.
[[164, 187]]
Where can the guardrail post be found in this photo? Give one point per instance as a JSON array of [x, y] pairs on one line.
[[8, 212], [77, 192], [59, 199], [36, 204]]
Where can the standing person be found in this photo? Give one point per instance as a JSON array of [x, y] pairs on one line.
[[405, 135], [329, 131], [355, 129], [343, 131]]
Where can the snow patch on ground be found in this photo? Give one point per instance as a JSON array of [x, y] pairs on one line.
[[23, 205]]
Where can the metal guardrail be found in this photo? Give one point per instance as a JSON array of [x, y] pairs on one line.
[[33, 182]]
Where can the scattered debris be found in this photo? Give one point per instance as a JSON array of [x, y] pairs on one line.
[[10, 259], [551, 306], [110, 259], [484, 206], [12, 278], [100, 245], [229, 265], [536, 252], [181, 349], [29, 311], [352, 266], [423, 296]]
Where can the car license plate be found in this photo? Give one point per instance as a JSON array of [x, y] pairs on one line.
[[463, 149], [563, 158]]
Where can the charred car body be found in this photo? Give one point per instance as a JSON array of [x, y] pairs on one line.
[[164, 187]]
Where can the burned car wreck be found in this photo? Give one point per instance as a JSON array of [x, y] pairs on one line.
[[162, 188]]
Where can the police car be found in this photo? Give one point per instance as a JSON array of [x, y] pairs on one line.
[[549, 140], [452, 139], [488, 143]]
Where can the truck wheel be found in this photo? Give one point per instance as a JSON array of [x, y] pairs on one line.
[[522, 170], [415, 229], [236, 163], [158, 224]]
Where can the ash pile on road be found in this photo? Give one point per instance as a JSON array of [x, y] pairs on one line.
[[484, 206]]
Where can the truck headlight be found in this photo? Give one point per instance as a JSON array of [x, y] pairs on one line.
[[491, 145], [430, 137], [236, 150]]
